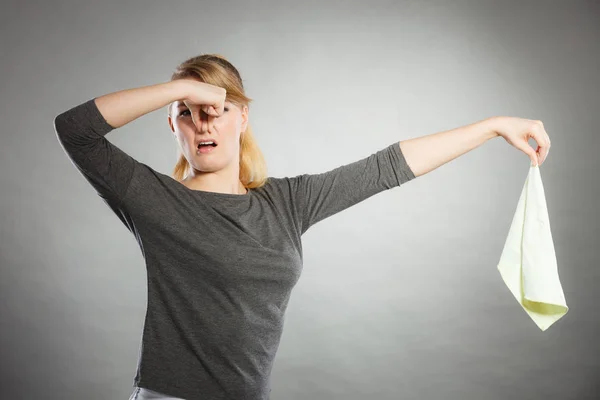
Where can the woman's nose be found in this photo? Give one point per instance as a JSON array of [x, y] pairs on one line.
[[206, 123]]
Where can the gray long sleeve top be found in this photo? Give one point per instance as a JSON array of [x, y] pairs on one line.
[[220, 267]]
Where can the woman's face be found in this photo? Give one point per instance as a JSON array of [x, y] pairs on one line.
[[224, 130]]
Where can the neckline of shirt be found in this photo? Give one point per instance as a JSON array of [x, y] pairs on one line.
[[213, 194]]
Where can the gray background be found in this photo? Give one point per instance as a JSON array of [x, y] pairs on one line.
[[400, 296]]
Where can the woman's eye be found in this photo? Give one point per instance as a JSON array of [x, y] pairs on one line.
[[181, 113]]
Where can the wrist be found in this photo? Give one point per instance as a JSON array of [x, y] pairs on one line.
[[490, 127], [180, 89]]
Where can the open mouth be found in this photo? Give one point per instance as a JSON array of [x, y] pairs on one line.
[[200, 145], [206, 147]]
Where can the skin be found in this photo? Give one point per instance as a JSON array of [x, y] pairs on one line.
[[426, 153], [217, 171]]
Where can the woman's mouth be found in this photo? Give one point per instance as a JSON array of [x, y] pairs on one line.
[[206, 148]]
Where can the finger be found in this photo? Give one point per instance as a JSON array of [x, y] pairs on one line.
[[533, 156], [194, 118], [526, 148], [542, 153], [216, 110], [192, 109], [548, 145], [535, 132], [211, 110], [541, 137]]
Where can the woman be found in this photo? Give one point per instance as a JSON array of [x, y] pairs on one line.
[[221, 240]]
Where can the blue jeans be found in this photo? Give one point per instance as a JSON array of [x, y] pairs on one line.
[[140, 393]]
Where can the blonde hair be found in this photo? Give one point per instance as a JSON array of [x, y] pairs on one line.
[[216, 70]]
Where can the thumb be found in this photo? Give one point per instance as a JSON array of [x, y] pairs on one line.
[[531, 153], [195, 119]]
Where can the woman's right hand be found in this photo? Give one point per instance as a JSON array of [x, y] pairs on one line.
[[122, 107], [206, 97]]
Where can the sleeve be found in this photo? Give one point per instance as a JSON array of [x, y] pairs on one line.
[[81, 132], [320, 196]]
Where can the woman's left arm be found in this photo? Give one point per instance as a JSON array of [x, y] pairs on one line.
[[426, 153]]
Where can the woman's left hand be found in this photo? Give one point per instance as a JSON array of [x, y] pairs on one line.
[[518, 131]]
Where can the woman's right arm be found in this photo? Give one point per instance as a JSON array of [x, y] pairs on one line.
[[81, 132], [122, 107]]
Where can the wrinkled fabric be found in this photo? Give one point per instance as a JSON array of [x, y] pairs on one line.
[[528, 262]]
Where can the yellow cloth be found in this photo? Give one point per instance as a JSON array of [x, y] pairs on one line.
[[528, 261]]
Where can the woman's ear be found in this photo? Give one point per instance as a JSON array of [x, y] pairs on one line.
[[169, 117], [244, 118], [170, 121]]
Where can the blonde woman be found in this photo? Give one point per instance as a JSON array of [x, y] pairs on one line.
[[221, 240]]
